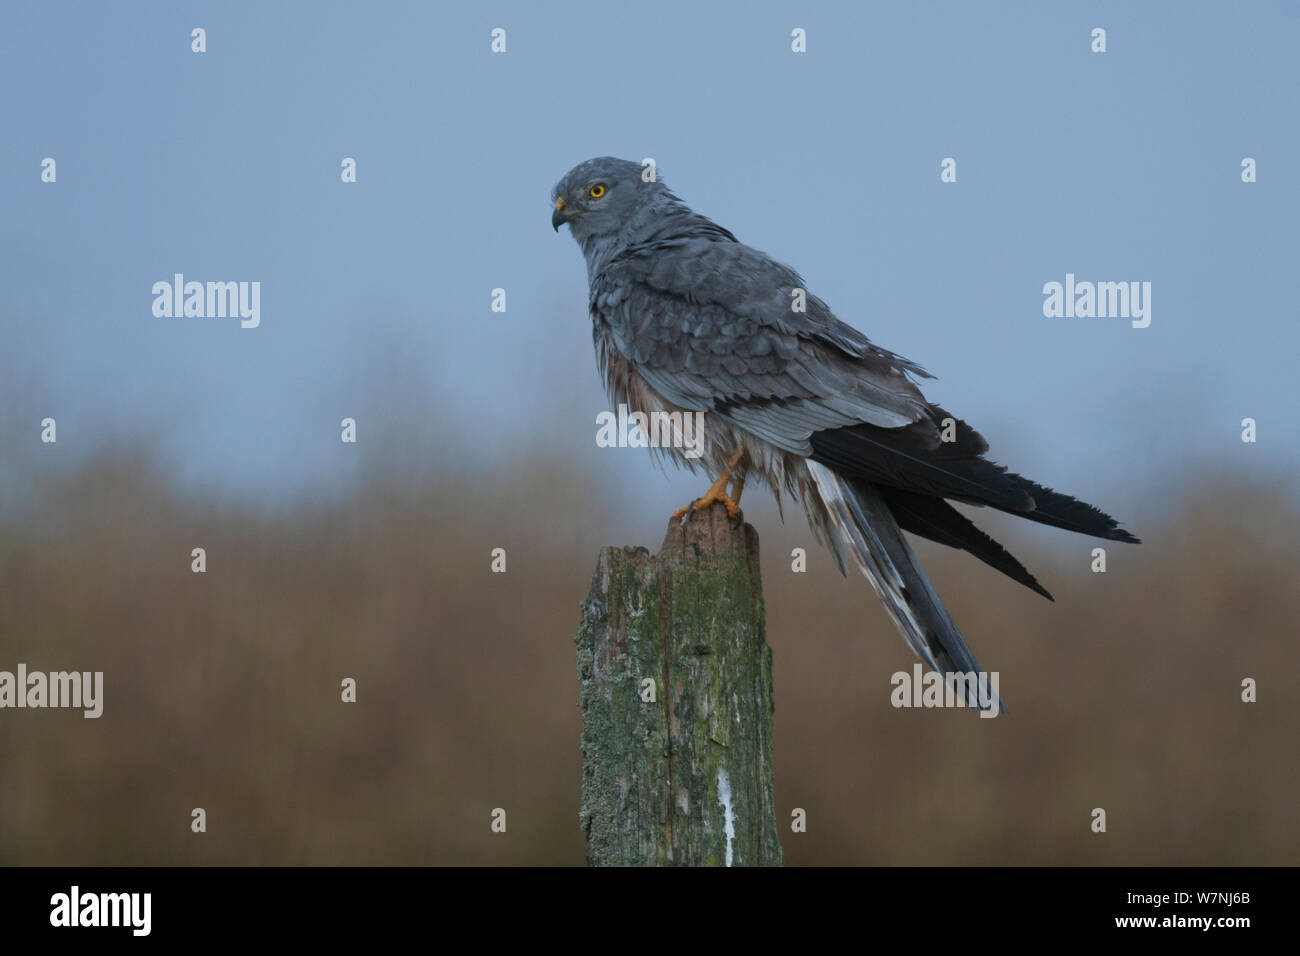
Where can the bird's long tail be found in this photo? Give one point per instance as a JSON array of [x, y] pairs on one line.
[[868, 535]]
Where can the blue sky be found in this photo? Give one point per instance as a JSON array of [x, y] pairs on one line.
[[375, 295]]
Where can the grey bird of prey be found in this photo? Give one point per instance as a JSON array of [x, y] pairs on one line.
[[686, 318]]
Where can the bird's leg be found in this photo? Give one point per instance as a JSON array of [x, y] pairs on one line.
[[737, 485], [718, 491]]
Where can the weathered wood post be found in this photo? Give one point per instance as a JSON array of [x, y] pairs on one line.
[[677, 702]]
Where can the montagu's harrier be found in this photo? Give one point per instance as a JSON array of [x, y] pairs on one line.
[[688, 319]]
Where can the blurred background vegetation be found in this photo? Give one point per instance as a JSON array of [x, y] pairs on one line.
[[222, 689]]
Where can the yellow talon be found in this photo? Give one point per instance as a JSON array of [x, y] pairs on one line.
[[700, 504], [718, 492]]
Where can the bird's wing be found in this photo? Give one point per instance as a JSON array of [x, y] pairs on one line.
[[713, 327], [717, 327]]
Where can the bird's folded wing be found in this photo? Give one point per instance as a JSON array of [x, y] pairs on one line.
[[714, 329]]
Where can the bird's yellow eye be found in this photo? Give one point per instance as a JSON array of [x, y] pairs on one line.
[[596, 191]]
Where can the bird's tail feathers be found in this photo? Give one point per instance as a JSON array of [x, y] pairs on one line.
[[867, 535]]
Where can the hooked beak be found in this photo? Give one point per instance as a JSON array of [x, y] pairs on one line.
[[558, 218]]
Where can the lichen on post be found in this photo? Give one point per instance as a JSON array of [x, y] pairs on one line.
[[676, 699]]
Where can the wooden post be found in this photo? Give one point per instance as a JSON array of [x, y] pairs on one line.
[[677, 702]]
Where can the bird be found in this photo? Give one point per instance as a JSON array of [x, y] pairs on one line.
[[688, 319]]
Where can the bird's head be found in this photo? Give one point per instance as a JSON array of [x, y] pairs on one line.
[[600, 196]]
